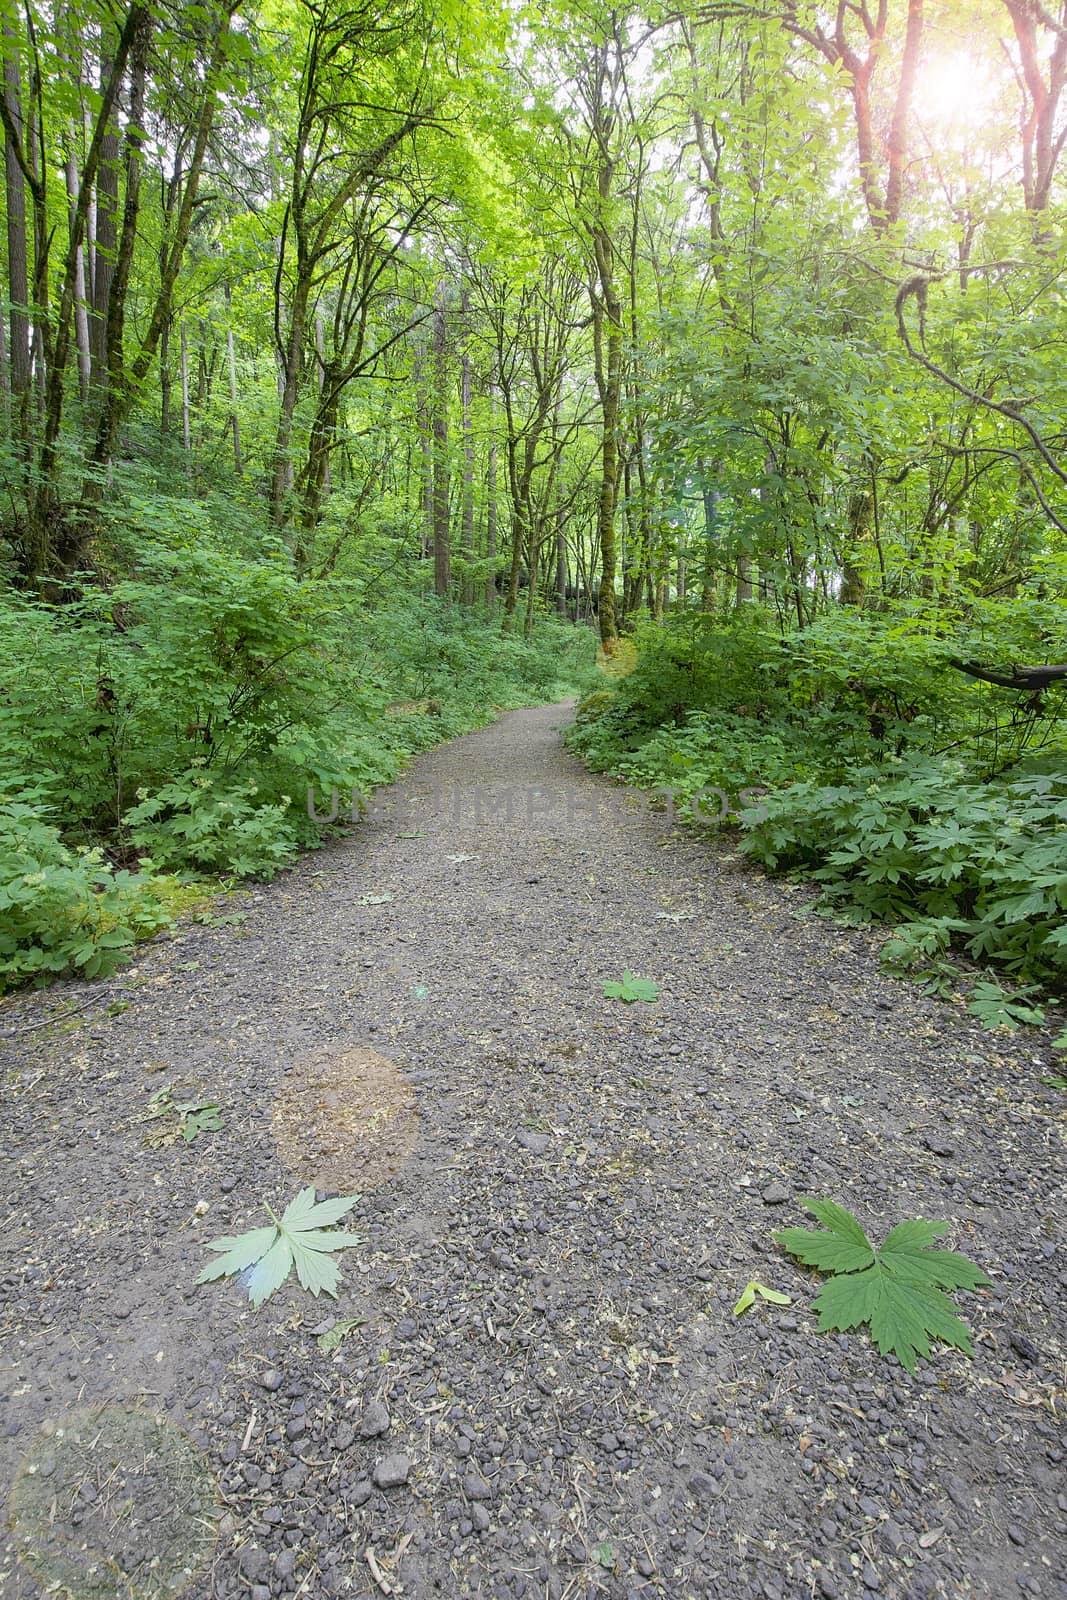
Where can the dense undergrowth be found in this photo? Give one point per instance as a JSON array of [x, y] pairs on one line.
[[854, 754], [171, 722]]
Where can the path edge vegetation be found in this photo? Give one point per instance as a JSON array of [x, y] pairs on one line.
[[348, 354]]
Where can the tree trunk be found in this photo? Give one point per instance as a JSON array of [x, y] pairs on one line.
[[187, 440], [282, 475], [853, 587], [711, 539], [105, 244], [607, 337], [111, 387], [231, 358], [17, 253], [490, 529], [442, 533], [466, 538]]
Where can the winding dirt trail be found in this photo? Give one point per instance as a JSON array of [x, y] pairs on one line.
[[538, 1387]]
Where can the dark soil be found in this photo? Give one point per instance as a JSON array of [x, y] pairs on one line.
[[535, 1384]]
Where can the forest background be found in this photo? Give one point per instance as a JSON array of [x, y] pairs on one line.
[[364, 366]]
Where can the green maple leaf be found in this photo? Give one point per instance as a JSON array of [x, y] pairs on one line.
[[898, 1289], [199, 1116], [302, 1237], [631, 989]]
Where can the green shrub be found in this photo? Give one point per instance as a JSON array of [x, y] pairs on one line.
[[949, 860], [61, 910]]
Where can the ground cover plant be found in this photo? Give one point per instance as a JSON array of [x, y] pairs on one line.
[[855, 754]]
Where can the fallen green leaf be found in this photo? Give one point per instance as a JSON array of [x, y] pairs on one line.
[[897, 1289], [631, 989], [297, 1238], [753, 1288]]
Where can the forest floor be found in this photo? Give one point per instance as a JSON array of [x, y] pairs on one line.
[[536, 1386]]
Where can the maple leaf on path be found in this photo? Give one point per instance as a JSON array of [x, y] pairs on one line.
[[898, 1289], [299, 1238], [631, 989]]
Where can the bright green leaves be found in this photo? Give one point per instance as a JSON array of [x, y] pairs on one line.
[[897, 1289], [842, 1248], [631, 989], [300, 1238], [754, 1289], [184, 1118], [997, 1008]]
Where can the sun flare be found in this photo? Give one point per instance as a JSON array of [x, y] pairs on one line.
[[955, 90]]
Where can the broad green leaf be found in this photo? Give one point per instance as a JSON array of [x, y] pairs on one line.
[[270, 1272], [240, 1252], [316, 1269], [827, 1252], [631, 989], [897, 1290], [316, 1239], [321, 1215], [303, 1237]]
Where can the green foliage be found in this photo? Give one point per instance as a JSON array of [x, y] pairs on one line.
[[194, 824], [827, 745], [64, 910], [754, 1289], [303, 1236], [183, 715], [918, 844], [631, 989], [898, 1288], [996, 1008], [185, 1119]]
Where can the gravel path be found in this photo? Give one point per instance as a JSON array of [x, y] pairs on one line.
[[537, 1387]]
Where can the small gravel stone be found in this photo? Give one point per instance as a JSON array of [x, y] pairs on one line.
[[271, 1380], [776, 1194], [375, 1420], [475, 1487], [254, 1563], [392, 1471]]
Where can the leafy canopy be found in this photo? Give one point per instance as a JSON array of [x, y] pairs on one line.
[[897, 1289], [296, 1238]]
